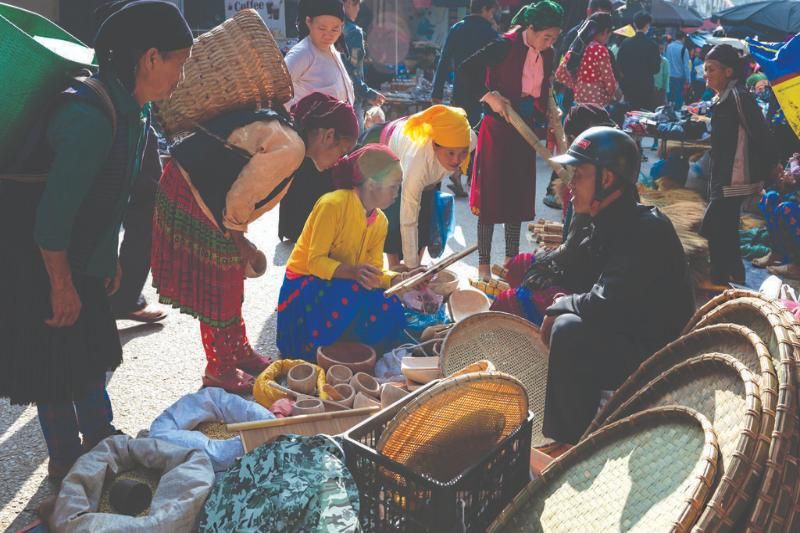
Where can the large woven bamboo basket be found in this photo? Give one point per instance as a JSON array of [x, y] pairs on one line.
[[451, 426], [726, 392], [236, 65], [648, 472], [775, 505], [512, 344], [737, 341], [33, 71]]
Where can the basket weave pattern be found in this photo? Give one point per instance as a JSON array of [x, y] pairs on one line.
[[512, 344], [773, 506], [236, 65], [732, 339], [726, 392], [650, 472], [452, 426]]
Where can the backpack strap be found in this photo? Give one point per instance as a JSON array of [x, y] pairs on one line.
[[100, 91]]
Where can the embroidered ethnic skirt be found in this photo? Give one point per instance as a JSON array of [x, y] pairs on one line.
[[195, 267], [313, 312]]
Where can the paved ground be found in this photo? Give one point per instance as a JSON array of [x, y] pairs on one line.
[[165, 361]]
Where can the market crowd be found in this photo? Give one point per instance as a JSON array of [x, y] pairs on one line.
[[359, 201]]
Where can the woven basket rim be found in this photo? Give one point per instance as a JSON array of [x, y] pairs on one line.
[[534, 359], [768, 383], [485, 319], [783, 451], [606, 435], [731, 496], [177, 114], [446, 386]]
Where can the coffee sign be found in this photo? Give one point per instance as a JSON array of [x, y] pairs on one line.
[[273, 12]]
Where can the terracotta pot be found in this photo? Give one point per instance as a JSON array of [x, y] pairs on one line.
[[307, 407], [354, 355], [390, 394], [347, 392], [366, 384], [362, 400], [303, 379], [338, 374]]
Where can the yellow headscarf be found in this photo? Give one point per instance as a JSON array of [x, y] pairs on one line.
[[446, 126]]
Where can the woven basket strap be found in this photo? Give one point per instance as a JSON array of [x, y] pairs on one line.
[[99, 88]]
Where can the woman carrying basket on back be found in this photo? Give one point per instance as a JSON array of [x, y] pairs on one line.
[[217, 184], [59, 261]]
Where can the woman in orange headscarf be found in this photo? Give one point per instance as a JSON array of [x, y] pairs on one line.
[[431, 145]]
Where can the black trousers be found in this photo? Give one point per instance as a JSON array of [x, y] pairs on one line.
[[721, 228], [134, 253], [584, 360]]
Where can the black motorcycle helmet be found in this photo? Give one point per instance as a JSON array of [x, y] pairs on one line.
[[606, 148]]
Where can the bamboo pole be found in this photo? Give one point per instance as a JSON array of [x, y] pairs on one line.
[[555, 123], [530, 137], [431, 271], [293, 420]]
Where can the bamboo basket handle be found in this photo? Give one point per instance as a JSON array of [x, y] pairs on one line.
[[530, 137]]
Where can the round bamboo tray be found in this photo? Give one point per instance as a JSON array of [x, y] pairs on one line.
[[737, 341], [649, 472], [512, 344], [236, 65], [451, 426], [726, 392], [773, 507]]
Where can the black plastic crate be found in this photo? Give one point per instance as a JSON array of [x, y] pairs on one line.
[[393, 498]]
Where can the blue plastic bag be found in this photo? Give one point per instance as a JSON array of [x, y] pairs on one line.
[[443, 223]]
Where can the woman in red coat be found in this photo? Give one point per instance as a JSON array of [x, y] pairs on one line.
[[514, 71]]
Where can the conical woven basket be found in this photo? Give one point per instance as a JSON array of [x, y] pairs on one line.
[[726, 392], [512, 344], [32, 73], [454, 424], [236, 65], [775, 506], [649, 472]]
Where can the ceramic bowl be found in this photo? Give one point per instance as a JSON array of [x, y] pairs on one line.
[[303, 379], [354, 355]]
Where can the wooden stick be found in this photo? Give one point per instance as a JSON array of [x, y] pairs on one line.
[[558, 127], [431, 271], [291, 420], [522, 128]]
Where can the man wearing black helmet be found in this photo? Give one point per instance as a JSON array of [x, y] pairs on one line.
[[636, 293]]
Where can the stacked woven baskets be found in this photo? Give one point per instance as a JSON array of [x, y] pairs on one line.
[[702, 437]]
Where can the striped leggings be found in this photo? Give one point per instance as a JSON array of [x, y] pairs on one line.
[[485, 233]]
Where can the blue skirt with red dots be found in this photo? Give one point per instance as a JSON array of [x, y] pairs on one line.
[[314, 312]]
